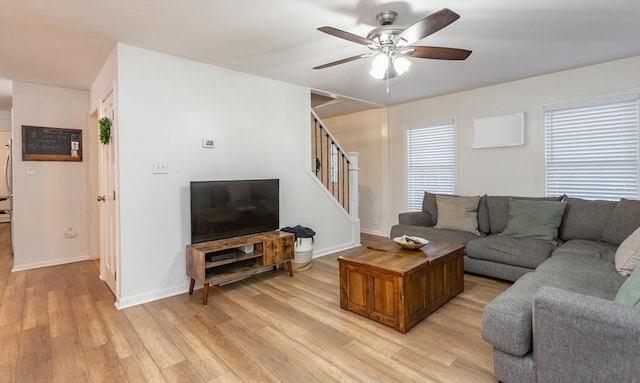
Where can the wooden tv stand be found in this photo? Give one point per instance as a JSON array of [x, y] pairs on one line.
[[270, 249]]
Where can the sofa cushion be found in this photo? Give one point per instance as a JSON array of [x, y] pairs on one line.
[[597, 269], [494, 269], [458, 213], [585, 219], [624, 220], [534, 219], [507, 320], [498, 208], [629, 293], [590, 249], [432, 234], [429, 205], [415, 218], [483, 216], [628, 254], [523, 252]]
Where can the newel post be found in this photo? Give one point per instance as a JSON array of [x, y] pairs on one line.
[[354, 195]]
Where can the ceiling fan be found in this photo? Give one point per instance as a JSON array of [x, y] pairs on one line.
[[390, 44]]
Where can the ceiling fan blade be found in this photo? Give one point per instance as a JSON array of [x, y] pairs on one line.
[[428, 25], [346, 35], [352, 58], [437, 53]]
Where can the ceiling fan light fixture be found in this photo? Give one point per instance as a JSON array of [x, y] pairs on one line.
[[379, 66], [389, 43], [401, 65], [386, 66]]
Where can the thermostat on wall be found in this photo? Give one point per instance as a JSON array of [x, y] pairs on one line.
[[208, 143]]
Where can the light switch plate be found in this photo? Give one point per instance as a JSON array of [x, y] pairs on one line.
[[160, 167], [208, 143]]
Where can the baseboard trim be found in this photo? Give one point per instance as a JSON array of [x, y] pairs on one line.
[[50, 262], [334, 249], [374, 232], [135, 300]]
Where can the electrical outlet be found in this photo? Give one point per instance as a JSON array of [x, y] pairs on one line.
[[71, 233], [160, 167]]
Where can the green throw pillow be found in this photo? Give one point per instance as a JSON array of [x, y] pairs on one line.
[[534, 219], [629, 293]]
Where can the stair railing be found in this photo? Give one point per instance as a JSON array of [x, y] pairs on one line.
[[329, 162]]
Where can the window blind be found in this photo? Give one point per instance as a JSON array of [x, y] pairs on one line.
[[591, 151], [430, 162]]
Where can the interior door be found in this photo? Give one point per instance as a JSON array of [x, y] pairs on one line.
[[108, 200]]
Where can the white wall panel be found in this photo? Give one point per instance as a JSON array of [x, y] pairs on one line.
[[56, 197]]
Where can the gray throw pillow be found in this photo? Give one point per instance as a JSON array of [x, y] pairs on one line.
[[498, 210], [430, 206], [534, 219], [458, 213]]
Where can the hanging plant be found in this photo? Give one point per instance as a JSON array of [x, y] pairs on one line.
[[105, 130]]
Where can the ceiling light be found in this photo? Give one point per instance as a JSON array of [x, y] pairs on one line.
[[385, 66], [401, 65], [379, 66]]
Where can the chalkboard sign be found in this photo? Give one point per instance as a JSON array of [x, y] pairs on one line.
[[51, 144]]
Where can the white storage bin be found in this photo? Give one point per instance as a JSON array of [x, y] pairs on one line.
[[303, 254]]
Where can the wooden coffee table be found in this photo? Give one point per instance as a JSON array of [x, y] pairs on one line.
[[397, 287]]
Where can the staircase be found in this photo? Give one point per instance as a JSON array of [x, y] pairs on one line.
[[330, 162], [336, 169]]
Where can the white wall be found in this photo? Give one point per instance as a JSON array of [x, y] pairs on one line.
[[57, 195], [366, 132], [166, 106], [104, 81], [498, 171]]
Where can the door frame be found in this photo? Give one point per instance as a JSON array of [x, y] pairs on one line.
[[92, 137], [113, 142]]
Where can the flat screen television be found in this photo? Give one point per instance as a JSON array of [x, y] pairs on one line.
[[224, 209]]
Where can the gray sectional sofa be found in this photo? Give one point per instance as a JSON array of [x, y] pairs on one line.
[[558, 322]]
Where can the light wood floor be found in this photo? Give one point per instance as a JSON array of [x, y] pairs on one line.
[[59, 324]]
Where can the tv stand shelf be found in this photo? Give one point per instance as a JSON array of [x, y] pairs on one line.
[[239, 258], [270, 249]]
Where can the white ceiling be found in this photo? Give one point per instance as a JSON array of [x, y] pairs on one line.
[[65, 42]]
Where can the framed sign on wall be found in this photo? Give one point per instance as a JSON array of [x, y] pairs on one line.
[[51, 144], [498, 131]]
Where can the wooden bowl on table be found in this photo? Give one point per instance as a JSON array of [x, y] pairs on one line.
[[409, 242]]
